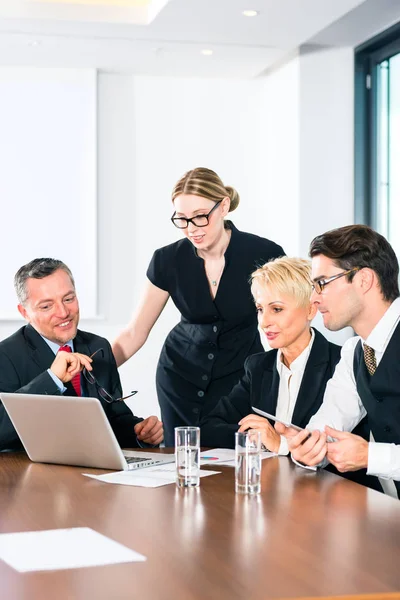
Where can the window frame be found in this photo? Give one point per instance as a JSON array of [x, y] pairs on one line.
[[367, 57]]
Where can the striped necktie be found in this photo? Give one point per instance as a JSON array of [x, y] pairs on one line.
[[76, 380]]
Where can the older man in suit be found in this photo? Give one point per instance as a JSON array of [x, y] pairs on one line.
[[51, 356]]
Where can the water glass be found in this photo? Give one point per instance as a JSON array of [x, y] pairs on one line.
[[187, 456], [248, 462]]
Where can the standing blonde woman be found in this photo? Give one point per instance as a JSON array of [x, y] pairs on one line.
[[206, 274]]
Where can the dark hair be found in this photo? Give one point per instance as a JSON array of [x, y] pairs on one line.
[[38, 268], [361, 246]]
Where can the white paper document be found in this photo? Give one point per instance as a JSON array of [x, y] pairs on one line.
[[225, 457], [62, 549], [149, 477]]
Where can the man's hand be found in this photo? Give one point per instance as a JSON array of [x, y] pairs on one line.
[[67, 364], [269, 437], [306, 447], [349, 452], [150, 431]]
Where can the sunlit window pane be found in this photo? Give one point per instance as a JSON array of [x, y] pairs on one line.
[[394, 153], [388, 151]]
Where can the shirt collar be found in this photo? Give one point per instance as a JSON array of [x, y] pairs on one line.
[[382, 332], [299, 363], [55, 347]]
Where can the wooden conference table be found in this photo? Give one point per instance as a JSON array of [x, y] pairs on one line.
[[306, 535]]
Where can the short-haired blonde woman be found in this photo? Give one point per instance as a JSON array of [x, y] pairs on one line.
[[206, 274], [289, 380]]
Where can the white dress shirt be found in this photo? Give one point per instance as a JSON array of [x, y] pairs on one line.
[[289, 384], [342, 408]]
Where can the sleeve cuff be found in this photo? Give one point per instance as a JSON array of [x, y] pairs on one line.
[[379, 460], [283, 448], [143, 445], [303, 466], [57, 381]]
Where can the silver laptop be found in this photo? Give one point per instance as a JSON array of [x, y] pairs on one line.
[[71, 430]]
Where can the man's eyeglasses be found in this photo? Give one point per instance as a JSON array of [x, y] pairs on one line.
[[198, 220], [90, 378], [319, 285]]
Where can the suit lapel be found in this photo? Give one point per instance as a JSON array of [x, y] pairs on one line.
[[313, 378], [38, 350], [80, 345], [41, 354], [269, 385]]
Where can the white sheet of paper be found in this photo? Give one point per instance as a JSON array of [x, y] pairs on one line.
[[225, 457], [264, 455], [216, 456], [62, 549], [150, 477]]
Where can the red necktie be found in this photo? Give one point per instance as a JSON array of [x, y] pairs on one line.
[[76, 380]]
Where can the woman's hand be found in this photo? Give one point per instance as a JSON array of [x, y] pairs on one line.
[[269, 437]]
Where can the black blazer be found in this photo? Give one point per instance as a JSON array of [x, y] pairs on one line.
[[24, 360], [259, 387]]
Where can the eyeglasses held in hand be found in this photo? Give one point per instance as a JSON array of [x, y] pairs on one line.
[[90, 378], [198, 220]]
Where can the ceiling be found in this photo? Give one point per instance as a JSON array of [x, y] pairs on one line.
[[370, 18], [163, 37]]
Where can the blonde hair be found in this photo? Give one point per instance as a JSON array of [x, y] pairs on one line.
[[291, 276], [207, 184]]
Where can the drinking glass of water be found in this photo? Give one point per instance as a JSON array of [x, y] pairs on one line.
[[187, 456], [248, 462]]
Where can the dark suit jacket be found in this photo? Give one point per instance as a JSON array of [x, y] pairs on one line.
[[24, 360], [259, 387]]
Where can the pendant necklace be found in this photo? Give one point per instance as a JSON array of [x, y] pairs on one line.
[[214, 282]]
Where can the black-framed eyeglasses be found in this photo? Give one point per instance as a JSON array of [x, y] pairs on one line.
[[320, 284], [198, 220], [90, 378]]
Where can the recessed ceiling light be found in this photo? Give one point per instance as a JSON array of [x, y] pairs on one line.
[[250, 13], [34, 43], [207, 52]]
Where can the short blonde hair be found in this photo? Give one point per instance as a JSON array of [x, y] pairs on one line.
[[291, 276], [207, 184]]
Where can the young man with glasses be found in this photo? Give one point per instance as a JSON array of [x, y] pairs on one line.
[[355, 276], [51, 356]]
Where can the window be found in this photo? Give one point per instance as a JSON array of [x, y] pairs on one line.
[[377, 130]]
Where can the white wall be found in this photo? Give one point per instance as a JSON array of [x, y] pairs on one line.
[[259, 135], [279, 175], [308, 108], [326, 150], [48, 152]]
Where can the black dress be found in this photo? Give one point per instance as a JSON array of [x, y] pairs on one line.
[[203, 356]]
